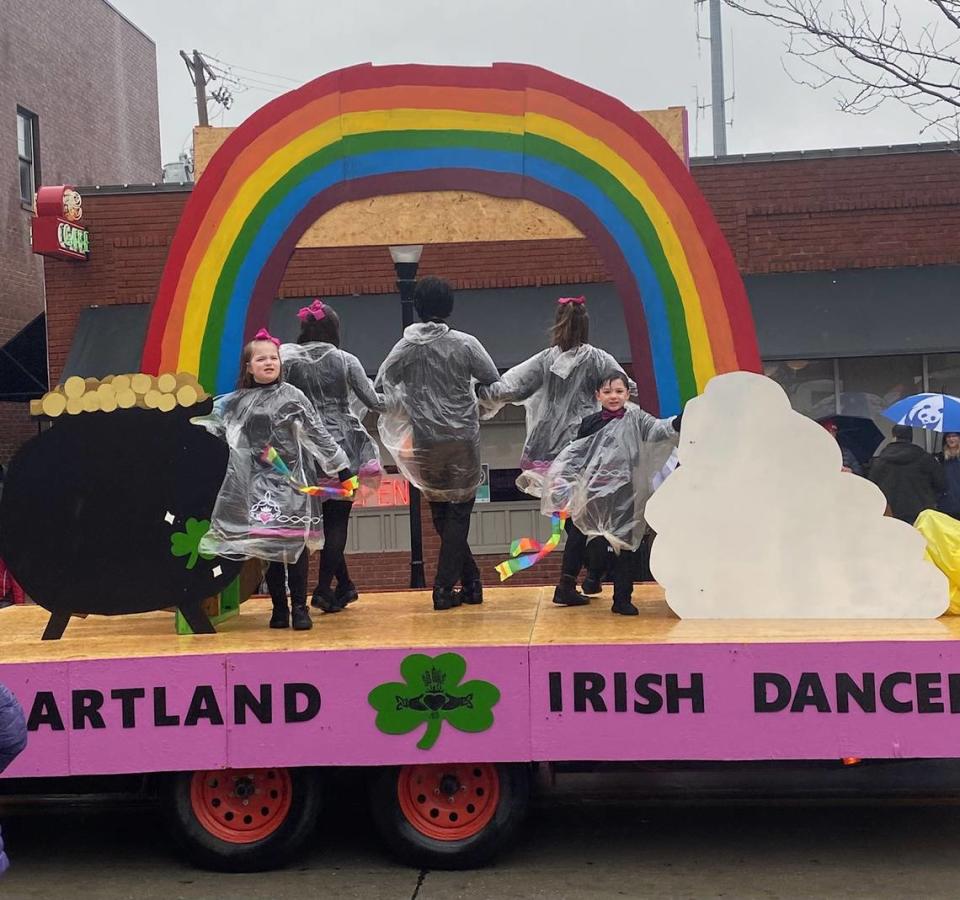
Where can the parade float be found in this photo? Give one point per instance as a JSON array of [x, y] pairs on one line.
[[794, 621]]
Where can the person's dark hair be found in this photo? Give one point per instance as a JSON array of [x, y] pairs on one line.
[[571, 327], [613, 375], [433, 299], [903, 433], [326, 329], [246, 379]]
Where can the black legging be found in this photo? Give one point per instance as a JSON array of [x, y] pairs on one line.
[[456, 562], [336, 518], [576, 549], [296, 573]]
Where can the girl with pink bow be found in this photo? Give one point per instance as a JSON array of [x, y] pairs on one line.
[[259, 512], [557, 387], [335, 383]]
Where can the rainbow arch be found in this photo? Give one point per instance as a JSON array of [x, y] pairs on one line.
[[509, 130]]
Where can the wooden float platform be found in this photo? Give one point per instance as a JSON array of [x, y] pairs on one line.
[[509, 617]]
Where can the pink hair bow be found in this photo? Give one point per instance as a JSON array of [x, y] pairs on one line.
[[315, 309], [578, 300], [264, 335]]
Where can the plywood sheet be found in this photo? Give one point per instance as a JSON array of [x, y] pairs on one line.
[[441, 216], [508, 617], [657, 624], [389, 620]]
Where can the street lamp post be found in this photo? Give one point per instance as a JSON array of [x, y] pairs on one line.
[[405, 262]]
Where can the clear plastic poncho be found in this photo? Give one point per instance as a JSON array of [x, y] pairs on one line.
[[558, 388], [334, 381], [430, 423], [604, 480], [259, 512]]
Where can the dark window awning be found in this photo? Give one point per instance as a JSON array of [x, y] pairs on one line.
[[512, 323], [856, 312], [23, 363], [802, 315], [108, 341]]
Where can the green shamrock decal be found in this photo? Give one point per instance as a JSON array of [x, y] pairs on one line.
[[431, 692], [187, 542]]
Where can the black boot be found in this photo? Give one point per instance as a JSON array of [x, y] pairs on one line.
[[472, 593], [445, 598], [567, 594], [325, 600], [592, 584], [624, 607], [301, 616], [346, 593], [281, 615]]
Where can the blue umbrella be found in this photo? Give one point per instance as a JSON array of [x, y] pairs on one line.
[[935, 412]]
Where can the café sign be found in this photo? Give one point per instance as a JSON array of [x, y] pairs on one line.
[[57, 229]]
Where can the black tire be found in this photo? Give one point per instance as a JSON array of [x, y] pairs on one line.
[[413, 848], [206, 850]]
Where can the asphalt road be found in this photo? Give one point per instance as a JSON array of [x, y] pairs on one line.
[[571, 847]]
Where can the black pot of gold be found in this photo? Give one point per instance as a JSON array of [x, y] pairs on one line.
[[103, 511]]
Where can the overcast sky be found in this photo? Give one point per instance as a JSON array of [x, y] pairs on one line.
[[645, 52]]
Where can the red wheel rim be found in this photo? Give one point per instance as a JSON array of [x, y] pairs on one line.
[[241, 806], [449, 802]]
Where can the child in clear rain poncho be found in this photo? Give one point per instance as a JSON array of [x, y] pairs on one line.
[[431, 427], [259, 512], [558, 387], [334, 381], [603, 481]]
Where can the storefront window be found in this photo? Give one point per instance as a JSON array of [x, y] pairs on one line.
[[869, 384], [943, 373], [808, 383]]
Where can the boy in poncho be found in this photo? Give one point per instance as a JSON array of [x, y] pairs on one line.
[[603, 480]]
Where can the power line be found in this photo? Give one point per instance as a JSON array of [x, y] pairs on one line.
[[229, 65]]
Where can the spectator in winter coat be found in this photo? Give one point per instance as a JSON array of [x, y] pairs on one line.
[[949, 458], [13, 738], [910, 478]]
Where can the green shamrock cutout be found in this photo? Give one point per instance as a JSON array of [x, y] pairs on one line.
[[431, 692], [187, 542]]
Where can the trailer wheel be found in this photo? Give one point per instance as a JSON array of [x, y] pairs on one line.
[[242, 820], [449, 816]]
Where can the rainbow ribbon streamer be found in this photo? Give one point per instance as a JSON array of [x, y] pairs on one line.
[[344, 489], [526, 552]]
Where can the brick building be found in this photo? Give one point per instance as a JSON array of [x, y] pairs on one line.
[[851, 261], [78, 90]]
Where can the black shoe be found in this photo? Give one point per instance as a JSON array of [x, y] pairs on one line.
[[472, 593], [280, 617], [445, 598], [624, 608], [592, 584], [325, 600], [567, 594], [346, 593], [301, 617]]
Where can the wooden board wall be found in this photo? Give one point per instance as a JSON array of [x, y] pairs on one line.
[[442, 216]]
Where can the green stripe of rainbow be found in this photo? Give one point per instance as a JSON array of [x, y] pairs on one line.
[[508, 130]]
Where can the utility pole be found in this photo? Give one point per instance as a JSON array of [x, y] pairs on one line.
[[201, 75], [716, 78]]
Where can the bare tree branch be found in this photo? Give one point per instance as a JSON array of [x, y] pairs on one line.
[[862, 48]]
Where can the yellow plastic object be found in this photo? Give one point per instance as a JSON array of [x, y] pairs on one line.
[[943, 549]]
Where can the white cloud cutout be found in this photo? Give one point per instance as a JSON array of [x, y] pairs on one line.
[[759, 521]]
